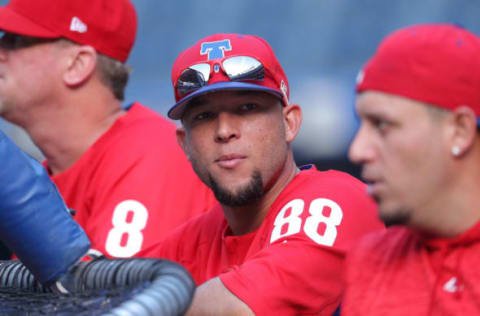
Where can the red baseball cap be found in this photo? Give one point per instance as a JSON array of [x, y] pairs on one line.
[[107, 25], [438, 64], [218, 47]]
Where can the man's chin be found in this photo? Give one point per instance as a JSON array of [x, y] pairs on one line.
[[238, 194], [393, 216]]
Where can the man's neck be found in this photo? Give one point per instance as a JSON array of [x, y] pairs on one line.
[[65, 133], [245, 219], [456, 209]]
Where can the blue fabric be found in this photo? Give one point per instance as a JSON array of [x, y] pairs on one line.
[[34, 221], [337, 312]]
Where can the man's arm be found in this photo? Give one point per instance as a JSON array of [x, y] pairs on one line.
[[213, 298]]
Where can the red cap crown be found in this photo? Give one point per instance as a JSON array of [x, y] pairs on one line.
[[107, 25], [215, 48], [438, 64]]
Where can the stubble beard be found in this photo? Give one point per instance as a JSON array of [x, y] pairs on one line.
[[395, 219], [246, 195], [399, 216]]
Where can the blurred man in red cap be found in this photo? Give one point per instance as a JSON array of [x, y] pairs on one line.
[[419, 145], [276, 240], [62, 78]]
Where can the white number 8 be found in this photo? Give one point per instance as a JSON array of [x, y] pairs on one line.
[[312, 223], [133, 229]]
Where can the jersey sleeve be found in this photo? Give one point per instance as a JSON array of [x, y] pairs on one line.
[[290, 278], [144, 188], [301, 270]]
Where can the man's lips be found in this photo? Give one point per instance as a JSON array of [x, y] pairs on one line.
[[373, 183], [230, 161], [373, 186]]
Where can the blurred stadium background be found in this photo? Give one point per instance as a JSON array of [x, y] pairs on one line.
[[321, 44]]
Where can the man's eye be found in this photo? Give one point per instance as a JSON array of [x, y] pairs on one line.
[[202, 116], [8, 41], [249, 106], [381, 125]]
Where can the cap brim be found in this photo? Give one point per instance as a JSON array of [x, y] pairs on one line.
[[10, 21], [176, 112]]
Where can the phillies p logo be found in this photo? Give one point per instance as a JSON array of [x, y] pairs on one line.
[[215, 49]]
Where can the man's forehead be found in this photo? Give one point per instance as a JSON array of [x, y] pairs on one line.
[[221, 96], [381, 102]]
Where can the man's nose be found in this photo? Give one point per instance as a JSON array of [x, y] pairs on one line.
[[361, 150], [227, 127]]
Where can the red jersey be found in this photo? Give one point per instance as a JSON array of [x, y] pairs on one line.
[[292, 264], [134, 185], [400, 272]]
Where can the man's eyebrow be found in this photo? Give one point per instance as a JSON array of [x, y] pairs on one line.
[[201, 100], [236, 92], [197, 102], [251, 92], [245, 92]]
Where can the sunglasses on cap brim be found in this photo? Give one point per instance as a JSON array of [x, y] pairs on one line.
[[237, 68]]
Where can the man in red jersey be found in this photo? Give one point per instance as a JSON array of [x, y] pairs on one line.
[[419, 144], [275, 242], [62, 78]]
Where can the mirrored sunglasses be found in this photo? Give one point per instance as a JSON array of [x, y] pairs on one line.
[[237, 68]]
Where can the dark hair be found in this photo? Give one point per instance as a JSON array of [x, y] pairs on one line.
[[113, 74]]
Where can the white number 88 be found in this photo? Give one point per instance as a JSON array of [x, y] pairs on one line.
[[294, 222]]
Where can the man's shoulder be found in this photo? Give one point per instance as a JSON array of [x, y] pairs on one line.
[[141, 132], [335, 179], [332, 184], [386, 244], [310, 177], [139, 114]]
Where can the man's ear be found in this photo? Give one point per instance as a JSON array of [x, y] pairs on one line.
[[180, 133], [81, 62], [464, 126], [292, 114]]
